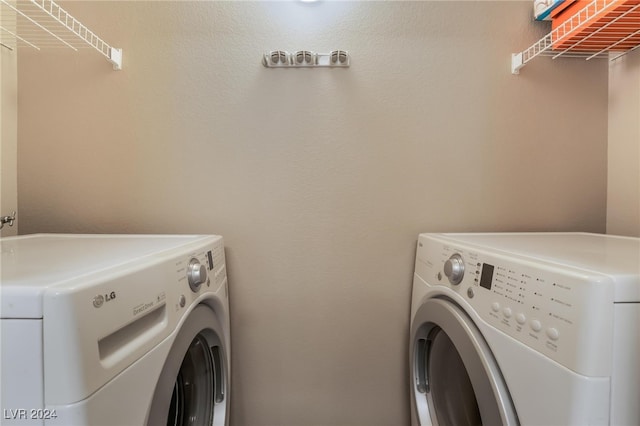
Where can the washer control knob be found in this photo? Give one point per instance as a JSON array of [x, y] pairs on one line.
[[454, 269], [196, 274]]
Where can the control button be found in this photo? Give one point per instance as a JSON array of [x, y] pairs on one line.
[[470, 292], [507, 312], [454, 269], [183, 301], [196, 274], [553, 333], [439, 276], [495, 306], [536, 325], [521, 318]]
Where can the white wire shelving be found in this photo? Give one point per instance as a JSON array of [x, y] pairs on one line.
[[598, 29], [43, 24]]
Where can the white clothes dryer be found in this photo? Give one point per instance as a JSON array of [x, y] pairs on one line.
[[114, 330], [531, 329]]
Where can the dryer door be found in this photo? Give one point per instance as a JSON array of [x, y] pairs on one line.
[[455, 378], [192, 388]]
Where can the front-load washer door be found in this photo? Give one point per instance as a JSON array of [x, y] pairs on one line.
[[193, 386], [455, 378]]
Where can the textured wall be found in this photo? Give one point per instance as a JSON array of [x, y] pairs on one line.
[[9, 137], [623, 194], [320, 180]]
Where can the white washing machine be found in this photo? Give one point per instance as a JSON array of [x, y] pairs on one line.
[[114, 330], [531, 329]]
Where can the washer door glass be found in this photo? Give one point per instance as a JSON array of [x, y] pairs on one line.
[[198, 385], [193, 385], [451, 393], [456, 380]]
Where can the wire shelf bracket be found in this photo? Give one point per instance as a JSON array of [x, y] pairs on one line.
[[41, 24], [563, 41]]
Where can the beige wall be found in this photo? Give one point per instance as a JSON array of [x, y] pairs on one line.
[[623, 194], [8, 137], [320, 180]]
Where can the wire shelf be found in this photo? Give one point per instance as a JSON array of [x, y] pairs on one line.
[[42, 24], [601, 27]]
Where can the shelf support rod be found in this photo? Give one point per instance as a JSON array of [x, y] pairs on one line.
[[624, 53], [50, 7], [19, 38], [35, 23], [615, 44]]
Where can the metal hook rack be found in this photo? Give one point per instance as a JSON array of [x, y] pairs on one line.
[[306, 59]]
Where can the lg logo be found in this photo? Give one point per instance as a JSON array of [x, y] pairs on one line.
[[99, 300]]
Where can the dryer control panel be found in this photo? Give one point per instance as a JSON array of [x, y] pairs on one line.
[[562, 312], [105, 320]]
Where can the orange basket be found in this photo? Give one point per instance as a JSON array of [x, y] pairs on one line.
[[597, 25]]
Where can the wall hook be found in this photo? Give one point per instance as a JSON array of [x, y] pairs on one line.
[[276, 58], [7, 220], [306, 58]]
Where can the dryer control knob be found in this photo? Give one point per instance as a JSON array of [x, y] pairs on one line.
[[196, 274], [454, 269]]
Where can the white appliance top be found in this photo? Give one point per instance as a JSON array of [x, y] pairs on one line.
[[31, 264], [615, 256]]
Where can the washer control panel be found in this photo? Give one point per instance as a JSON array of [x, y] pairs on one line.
[[200, 270], [560, 312]]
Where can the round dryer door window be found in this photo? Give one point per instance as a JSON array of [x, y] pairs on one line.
[[199, 385], [192, 388], [450, 394], [455, 379]]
